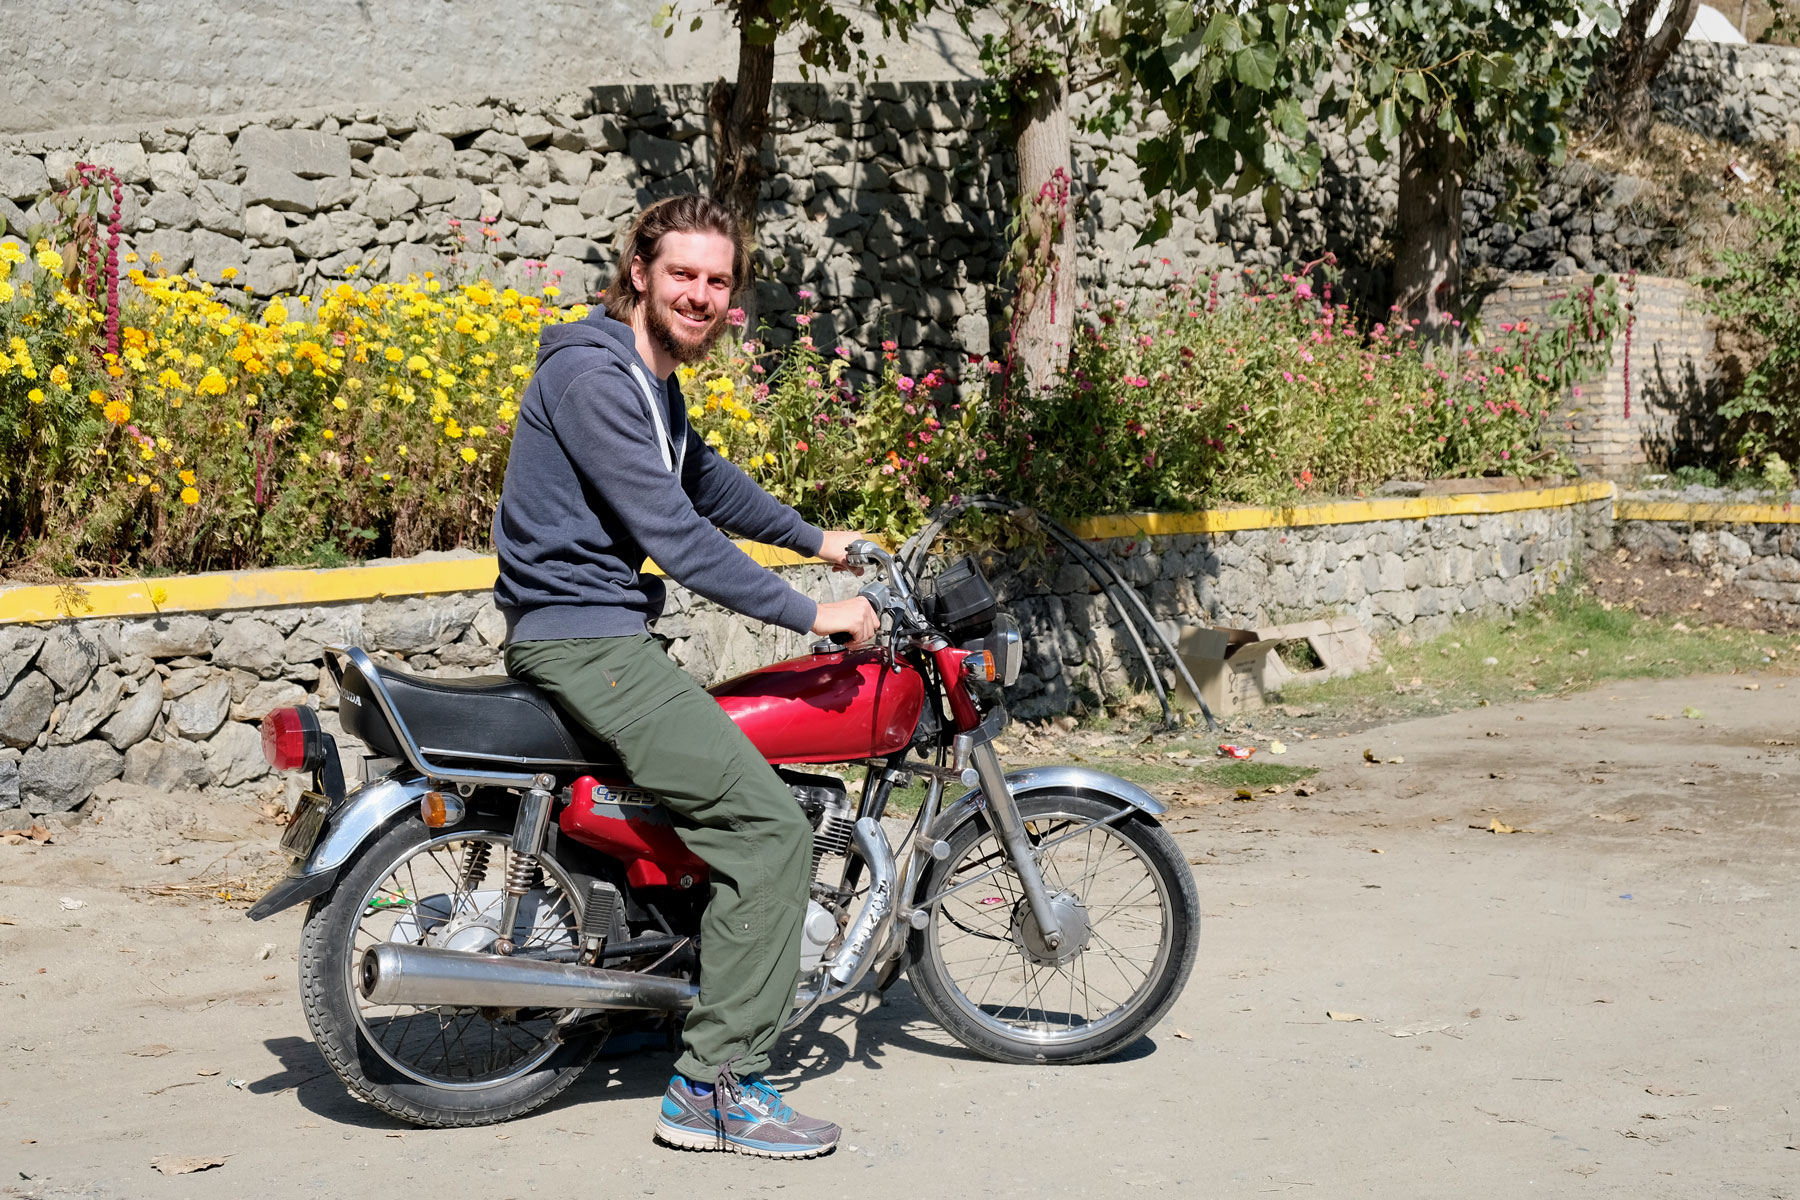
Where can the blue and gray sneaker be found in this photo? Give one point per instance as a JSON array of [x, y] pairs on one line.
[[745, 1116]]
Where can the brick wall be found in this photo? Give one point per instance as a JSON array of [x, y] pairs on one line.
[[1665, 367]]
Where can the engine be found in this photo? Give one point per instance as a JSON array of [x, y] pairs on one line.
[[826, 803]]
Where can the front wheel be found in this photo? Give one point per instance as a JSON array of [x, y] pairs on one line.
[[1130, 914], [440, 1066]]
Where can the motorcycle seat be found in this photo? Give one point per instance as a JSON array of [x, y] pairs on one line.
[[490, 718]]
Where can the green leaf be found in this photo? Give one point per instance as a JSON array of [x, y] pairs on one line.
[[1224, 32], [1248, 179], [1271, 200], [693, 27], [1161, 221], [1178, 18], [1413, 84], [1184, 55], [1255, 66], [1387, 120], [1216, 160], [1290, 117]]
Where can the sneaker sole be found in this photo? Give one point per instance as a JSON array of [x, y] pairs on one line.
[[694, 1139]]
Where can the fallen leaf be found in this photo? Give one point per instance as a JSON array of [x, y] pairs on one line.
[[1658, 1089], [1369, 755], [1501, 775], [1617, 818], [1343, 1016], [1274, 789], [1277, 747], [1678, 627], [1184, 1035], [1692, 713], [70, 904], [1406, 1031], [1243, 794], [1305, 789], [1398, 758], [1373, 850], [1494, 825], [155, 1050], [187, 1164], [1753, 687], [1659, 716]]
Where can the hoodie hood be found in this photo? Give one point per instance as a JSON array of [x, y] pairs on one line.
[[596, 329]]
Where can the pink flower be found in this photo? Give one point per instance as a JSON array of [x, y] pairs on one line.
[[736, 318], [905, 384], [890, 345], [1304, 291], [803, 320], [804, 294]]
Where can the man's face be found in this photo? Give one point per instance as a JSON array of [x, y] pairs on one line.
[[686, 292]]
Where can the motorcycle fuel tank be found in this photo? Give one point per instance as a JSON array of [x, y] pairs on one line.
[[824, 708]]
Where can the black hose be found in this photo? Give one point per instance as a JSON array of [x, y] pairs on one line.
[[913, 552]]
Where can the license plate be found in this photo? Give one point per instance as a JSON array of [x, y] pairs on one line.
[[305, 826]]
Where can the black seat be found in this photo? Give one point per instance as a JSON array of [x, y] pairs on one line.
[[487, 717]]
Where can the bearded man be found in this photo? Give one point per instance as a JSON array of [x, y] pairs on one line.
[[605, 472]]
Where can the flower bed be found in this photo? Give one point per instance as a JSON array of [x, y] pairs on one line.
[[173, 426]]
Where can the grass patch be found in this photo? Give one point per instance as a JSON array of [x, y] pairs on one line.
[[1253, 774], [1564, 643]]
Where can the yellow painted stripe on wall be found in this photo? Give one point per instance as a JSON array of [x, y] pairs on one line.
[[289, 586], [1706, 513], [1338, 512], [277, 587]]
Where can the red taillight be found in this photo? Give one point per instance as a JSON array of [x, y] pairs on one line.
[[290, 739]]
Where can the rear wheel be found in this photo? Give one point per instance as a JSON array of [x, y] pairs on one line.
[[440, 1066], [1130, 914]]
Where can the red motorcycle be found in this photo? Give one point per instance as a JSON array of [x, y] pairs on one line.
[[499, 898]]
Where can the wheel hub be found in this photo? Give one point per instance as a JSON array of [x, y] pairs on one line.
[[1071, 914]]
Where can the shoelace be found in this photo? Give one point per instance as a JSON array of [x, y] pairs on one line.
[[729, 1089]]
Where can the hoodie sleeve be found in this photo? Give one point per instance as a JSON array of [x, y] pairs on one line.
[[730, 499], [606, 431]]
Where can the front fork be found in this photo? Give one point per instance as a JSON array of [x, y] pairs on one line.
[[1004, 813]]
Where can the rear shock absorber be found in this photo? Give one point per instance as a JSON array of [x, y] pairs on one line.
[[522, 862]]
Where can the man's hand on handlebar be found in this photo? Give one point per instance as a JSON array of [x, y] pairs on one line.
[[855, 617], [836, 549]]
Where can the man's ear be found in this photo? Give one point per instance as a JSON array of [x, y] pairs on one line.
[[640, 278]]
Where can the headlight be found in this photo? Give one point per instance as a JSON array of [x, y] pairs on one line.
[[1004, 647]]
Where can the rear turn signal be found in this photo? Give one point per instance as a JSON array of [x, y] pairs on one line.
[[292, 740]]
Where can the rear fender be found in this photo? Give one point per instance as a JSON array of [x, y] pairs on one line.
[[358, 821]]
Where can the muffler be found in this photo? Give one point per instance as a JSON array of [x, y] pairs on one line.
[[429, 977]]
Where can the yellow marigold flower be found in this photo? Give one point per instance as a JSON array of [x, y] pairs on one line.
[[695, 412], [386, 478], [393, 354], [507, 410], [155, 489], [417, 363], [452, 429], [464, 325], [187, 477], [36, 395], [170, 378], [6, 292], [10, 253], [213, 383], [49, 259], [96, 397], [162, 443], [117, 411], [552, 291], [327, 434], [59, 375], [340, 404], [402, 449], [275, 314], [228, 274], [468, 454], [478, 431], [146, 451], [190, 495]]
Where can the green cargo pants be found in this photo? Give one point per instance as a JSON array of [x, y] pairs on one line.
[[731, 810]]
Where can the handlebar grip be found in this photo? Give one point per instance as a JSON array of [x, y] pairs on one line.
[[842, 639]]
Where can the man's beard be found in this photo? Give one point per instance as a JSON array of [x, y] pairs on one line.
[[660, 321]]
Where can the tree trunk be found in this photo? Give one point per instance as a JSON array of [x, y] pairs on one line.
[[739, 116], [1623, 82], [1044, 308], [1428, 257]]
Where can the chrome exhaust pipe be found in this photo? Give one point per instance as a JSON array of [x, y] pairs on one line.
[[429, 977], [856, 955]]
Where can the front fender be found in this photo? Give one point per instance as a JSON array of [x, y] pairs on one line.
[[1083, 781], [364, 813]]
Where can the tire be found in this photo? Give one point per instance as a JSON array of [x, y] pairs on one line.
[[981, 971], [423, 1065]]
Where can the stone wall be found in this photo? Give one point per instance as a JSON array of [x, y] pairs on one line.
[[1761, 558], [1741, 93], [1667, 361], [174, 701], [65, 63]]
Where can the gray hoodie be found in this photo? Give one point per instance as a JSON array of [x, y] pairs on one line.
[[598, 479]]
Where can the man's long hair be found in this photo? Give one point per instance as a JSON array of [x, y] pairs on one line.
[[692, 213]]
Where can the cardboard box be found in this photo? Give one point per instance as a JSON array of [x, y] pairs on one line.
[[1239, 669]]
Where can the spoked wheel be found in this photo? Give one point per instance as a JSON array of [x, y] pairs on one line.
[[440, 1066], [1130, 915]]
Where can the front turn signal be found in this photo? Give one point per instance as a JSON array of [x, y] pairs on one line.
[[979, 665]]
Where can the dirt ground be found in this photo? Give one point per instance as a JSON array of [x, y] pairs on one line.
[[1598, 1004], [1654, 585]]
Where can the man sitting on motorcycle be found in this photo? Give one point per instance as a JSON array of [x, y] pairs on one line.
[[605, 472]]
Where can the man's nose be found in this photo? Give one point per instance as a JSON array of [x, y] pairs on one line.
[[697, 294]]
